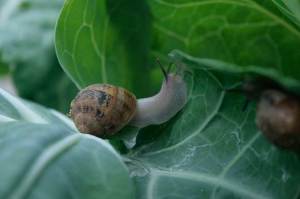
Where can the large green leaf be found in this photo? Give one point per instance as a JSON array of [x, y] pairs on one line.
[[43, 156], [212, 149], [105, 41], [243, 32], [26, 44]]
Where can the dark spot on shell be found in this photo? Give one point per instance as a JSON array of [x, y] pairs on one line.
[[99, 115], [108, 100], [78, 108], [91, 108], [85, 109], [102, 97], [126, 107], [110, 127]]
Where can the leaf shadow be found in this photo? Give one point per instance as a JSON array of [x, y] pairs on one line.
[[132, 22]]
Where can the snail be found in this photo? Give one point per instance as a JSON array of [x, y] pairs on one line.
[[103, 109], [277, 112], [278, 117]]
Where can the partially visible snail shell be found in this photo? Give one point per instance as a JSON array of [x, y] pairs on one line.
[[102, 109], [278, 117]]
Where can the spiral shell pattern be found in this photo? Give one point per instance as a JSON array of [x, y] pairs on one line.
[[102, 109]]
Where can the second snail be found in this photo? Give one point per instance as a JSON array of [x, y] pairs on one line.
[[103, 109], [277, 112]]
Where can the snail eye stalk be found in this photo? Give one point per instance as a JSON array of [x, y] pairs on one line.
[[162, 69], [169, 67]]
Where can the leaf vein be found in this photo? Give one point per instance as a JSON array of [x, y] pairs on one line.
[[197, 131], [212, 180]]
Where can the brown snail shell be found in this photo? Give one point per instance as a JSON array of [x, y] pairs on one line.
[[278, 117], [102, 109]]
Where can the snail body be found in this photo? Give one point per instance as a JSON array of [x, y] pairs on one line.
[[103, 109], [164, 105]]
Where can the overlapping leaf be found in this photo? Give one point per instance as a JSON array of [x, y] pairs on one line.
[[27, 46]]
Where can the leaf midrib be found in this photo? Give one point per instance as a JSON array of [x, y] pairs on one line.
[[42, 162]]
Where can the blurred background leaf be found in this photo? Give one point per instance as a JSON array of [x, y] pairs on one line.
[[27, 46]]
